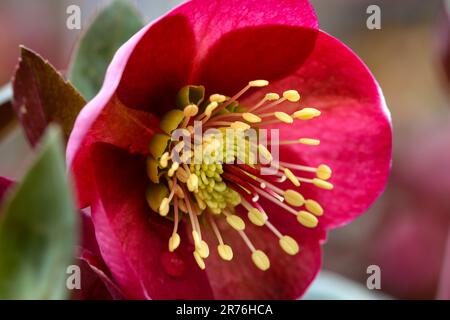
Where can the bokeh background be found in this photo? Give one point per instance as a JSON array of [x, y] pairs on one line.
[[407, 231]]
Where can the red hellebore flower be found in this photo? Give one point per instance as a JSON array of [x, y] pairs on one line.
[[167, 229]]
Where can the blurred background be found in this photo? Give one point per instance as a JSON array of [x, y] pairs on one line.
[[407, 231]]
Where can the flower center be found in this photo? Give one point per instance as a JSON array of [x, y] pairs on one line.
[[212, 156]]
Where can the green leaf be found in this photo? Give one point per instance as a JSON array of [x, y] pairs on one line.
[[111, 28], [42, 96], [38, 228]]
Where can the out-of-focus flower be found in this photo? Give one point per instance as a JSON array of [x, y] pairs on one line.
[[125, 168], [5, 184], [410, 245]]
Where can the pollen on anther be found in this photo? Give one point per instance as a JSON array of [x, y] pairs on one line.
[[306, 114], [190, 110], [225, 252], [258, 83], [250, 117], [272, 96], [291, 95], [314, 207], [288, 173], [294, 198], [289, 245], [309, 142], [283, 117], [323, 172], [322, 184], [239, 125], [257, 217], [174, 242], [261, 260], [307, 219], [236, 222], [199, 260]]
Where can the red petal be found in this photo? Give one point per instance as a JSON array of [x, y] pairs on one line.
[[132, 239], [354, 129], [116, 124], [288, 276]]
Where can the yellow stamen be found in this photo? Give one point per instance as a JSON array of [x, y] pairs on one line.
[[196, 238], [307, 219], [257, 217], [192, 183], [323, 172], [291, 95], [314, 207], [289, 245], [250, 117], [210, 108], [199, 260], [164, 160], [306, 114], [238, 125], [203, 249], [263, 151], [236, 222], [261, 260], [225, 252], [309, 142], [288, 173], [164, 207], [294, 198], [258, 83], [217, 98], [173, 169], [322, 184], [174, 242], [283, 117], [190, 110], [272, 96]]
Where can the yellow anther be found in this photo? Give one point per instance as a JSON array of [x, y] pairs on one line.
[[322, 184], [294, 198], [173, 169], [203, 249], [291, 95], [217, 98], [174, 242], [288, 173], [236, 222], [164, 207], [309, 142], [225, 252], [257, 217], [192, 183], [164, 160], [306, 114], [272, 96], [190, 110], [238, 125], [250, 117], [199, 260], [307, 219], [258, 83], [289, 245], [314, 207], [196, 238], [323, 172], [261, 260], [210, 108], [283, 117], [263, 151]]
